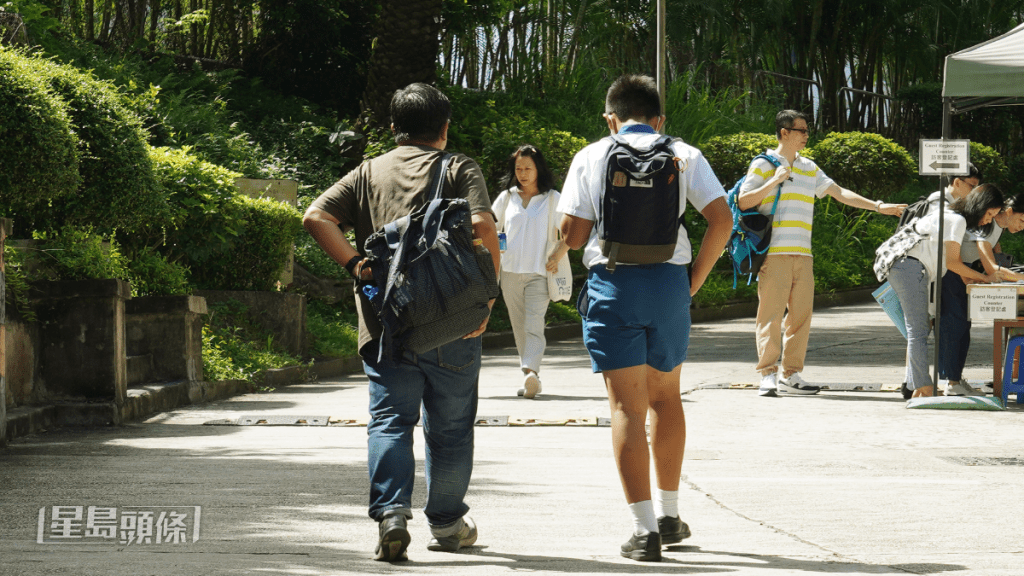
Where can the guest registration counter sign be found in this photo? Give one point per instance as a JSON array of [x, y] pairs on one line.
[[993, 301], [944, 157]]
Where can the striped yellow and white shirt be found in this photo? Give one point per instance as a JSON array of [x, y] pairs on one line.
[[791, 233]]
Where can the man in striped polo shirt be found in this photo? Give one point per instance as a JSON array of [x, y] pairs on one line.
[[786, 279]]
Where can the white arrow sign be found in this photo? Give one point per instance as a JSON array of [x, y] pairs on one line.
[[944, 157]]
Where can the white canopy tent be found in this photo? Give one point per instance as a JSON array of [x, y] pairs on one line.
[[986, 74]]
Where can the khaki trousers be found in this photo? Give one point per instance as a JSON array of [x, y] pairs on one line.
[[784, 282]]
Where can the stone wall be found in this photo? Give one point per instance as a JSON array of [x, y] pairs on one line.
[[282, 314]]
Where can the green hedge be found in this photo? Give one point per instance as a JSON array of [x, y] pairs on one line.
[[38, 148], [227, 240], [503, 136], [118, 189], [991, 163], [868, 164], [730, 155]]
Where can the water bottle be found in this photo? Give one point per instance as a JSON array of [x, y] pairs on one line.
[[502, 242]]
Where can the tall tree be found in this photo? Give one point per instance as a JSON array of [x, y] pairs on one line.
[[405, 51]]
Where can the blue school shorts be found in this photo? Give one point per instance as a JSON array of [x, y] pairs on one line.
[[638, 315]]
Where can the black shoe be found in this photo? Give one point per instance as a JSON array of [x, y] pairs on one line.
[[672, 530], [907, 392], [646, 548], [394, 539]]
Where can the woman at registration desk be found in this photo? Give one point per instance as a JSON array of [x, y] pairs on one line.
[[979, 251], [911, 276]]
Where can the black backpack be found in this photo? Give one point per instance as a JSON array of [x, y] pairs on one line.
[[639, 221], [918, 209], [432, 284]]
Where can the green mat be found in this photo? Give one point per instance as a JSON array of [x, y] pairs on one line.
[[956, 403]]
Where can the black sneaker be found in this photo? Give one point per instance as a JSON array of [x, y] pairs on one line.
[[907, 392], [394, 539], [672, 530], [646, 548]]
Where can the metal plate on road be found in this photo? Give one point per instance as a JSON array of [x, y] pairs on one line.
[[269, 420], [944, 157]]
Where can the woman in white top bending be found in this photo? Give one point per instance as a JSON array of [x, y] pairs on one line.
[[522, 213], [912, 275]]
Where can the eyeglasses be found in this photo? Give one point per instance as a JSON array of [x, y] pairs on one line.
[[800, 130]]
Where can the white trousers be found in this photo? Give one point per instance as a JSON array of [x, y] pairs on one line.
[[526, 297]]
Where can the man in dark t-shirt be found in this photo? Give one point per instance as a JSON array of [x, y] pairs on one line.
[[443, 380]]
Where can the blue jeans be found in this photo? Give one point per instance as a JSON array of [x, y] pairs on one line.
[[955, 328], [910, 280], [444, 382]]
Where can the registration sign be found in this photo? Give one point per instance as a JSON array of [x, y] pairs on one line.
[[944, 157], [993, 302]]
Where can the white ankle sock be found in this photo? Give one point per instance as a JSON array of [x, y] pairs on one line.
[[644, 519], [666, 503]]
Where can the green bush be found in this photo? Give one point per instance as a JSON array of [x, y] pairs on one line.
[[991, 164], [38, 148], [261, 251], [507, 133], [76, 253], [730, 156], [151, 274], [228, 241], [118, 188], [868, 164]]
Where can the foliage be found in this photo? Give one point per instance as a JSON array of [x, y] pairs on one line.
[[260, 253], [33, 13], [991, 164], [503, 136], [228, 241], [730, 155], [333, 329], [234, 348], [151, 274], [37, 144], [118, 189], [866, 163], [74, 253], [17, 289], [696, 112]]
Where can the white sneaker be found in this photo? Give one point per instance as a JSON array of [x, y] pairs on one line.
[[794, 384], [531, 386], [955, 388], [769, 383]]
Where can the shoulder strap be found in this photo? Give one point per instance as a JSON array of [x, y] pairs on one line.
[[775, 163], [437, 180], [552, 210]]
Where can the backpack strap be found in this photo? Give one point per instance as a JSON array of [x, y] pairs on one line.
[[775, 163]]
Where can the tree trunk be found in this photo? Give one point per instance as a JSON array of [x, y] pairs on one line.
[[406, 52]]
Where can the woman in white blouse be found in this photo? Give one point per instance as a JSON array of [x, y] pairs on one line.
[[522, 214], [912, 275]]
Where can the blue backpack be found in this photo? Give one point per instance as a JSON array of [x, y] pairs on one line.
[[751, 231]]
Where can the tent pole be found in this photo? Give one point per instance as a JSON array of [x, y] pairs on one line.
[[660, 56], [947, 131]]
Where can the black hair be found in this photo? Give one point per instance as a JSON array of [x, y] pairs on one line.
[[786, 119], [1015, 202], [972, 172], [633, 97], [974, 206], [419, 112], [545, 179]]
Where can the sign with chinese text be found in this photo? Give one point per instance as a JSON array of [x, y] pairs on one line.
[[993, 302], [127, 525], [944, 157]]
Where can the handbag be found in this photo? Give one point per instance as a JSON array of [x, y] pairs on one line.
[[560, 282], [895, 248], [436, 282]]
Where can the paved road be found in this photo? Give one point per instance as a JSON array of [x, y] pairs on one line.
[[845, 482]]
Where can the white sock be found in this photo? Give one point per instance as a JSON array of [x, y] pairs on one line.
[[666, 503], [644, 519]]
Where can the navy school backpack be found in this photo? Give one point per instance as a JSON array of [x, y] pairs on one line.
[[432, 282], [639, 221], [751, 231]]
